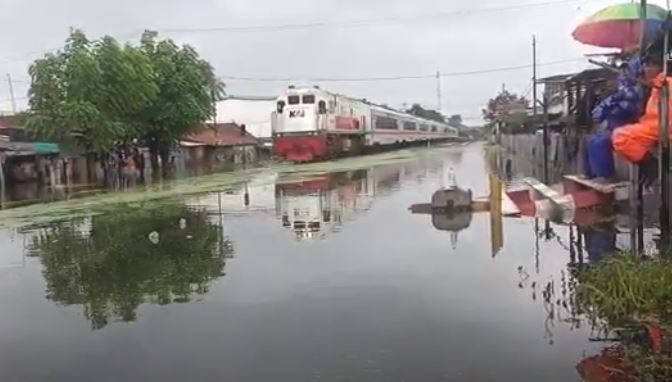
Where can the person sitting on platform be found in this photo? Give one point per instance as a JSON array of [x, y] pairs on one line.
[[634, 141], [619, 109]]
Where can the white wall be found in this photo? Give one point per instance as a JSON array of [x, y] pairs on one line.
[[255, 114]]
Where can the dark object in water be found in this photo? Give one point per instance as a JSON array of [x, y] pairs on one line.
[[446, 200]]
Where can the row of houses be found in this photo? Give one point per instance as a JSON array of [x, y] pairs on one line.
[[231, 140], [570, 98]]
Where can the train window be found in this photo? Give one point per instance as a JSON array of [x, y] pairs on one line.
[[281, 106], [386, 123], [424, 127], [322, 107], [410, 126], [294, 100], [309, 99], [434, 129]]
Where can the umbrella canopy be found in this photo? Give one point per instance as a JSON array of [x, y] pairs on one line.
[[619, 26]]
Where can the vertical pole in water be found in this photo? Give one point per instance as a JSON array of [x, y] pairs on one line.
[[636, 191], [665, 153], [546, 140], [534, 89], [496, 224], [2, 182], [221, 224]]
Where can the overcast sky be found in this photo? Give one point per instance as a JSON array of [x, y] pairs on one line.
[[403, 38]]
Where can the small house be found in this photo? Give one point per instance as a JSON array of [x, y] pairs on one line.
[[253, 112], [219, 143]]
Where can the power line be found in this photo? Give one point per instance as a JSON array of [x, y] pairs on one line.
[[396, 78], [365, 22], [323, 24]]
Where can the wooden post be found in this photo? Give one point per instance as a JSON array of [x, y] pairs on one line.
[[546, 139], [664, 164], [3, 186], [496, 223]]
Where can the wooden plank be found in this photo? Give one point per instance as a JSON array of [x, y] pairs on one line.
[[509, 208], [546, 192], [605, 188]]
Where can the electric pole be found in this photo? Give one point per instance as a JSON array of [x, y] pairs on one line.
[[438, 92], [11, 92]]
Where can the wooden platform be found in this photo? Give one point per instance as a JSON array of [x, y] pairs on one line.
[[603, 187], [562, 201]]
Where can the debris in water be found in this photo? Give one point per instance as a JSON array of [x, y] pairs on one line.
[[154, 237], [183, 223]]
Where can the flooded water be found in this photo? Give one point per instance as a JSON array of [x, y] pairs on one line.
[[314, 273]]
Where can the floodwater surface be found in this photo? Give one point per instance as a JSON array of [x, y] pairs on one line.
[[319, 273]]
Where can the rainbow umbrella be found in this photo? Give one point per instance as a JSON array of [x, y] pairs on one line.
[[619, 26]]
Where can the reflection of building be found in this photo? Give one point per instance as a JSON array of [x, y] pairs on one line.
[[255, 195]]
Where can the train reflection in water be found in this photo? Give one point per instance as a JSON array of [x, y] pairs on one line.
[[312, 208]]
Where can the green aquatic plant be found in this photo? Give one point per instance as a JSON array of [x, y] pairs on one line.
[[632, 298], [624, 289]]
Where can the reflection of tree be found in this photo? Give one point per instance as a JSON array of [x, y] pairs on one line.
[[113, 267]]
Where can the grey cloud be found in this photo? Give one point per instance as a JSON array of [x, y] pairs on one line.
[[452, 43]]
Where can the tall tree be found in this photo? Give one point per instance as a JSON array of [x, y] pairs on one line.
[[89, 92], [421, 112], [505, 104], [187, 92]]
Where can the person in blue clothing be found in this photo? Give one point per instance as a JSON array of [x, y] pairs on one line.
[[619, 109]]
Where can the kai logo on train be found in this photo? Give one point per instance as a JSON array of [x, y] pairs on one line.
[[297, 113]]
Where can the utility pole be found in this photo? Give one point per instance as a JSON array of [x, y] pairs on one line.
[[438, 92], [535, 104], [11, 92]]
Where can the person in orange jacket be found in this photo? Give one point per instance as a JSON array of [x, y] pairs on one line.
[[635, 141]]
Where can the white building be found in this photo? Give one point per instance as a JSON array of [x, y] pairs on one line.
[[253, 112]]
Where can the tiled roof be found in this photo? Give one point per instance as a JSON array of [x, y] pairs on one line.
[[222, 135], [11, 122]]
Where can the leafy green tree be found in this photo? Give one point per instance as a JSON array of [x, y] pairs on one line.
[[90, 92], [504, 105], [187, 92], [421, 112], [111, 264]]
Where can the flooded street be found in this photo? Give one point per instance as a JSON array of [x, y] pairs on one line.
[[307, 273]]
